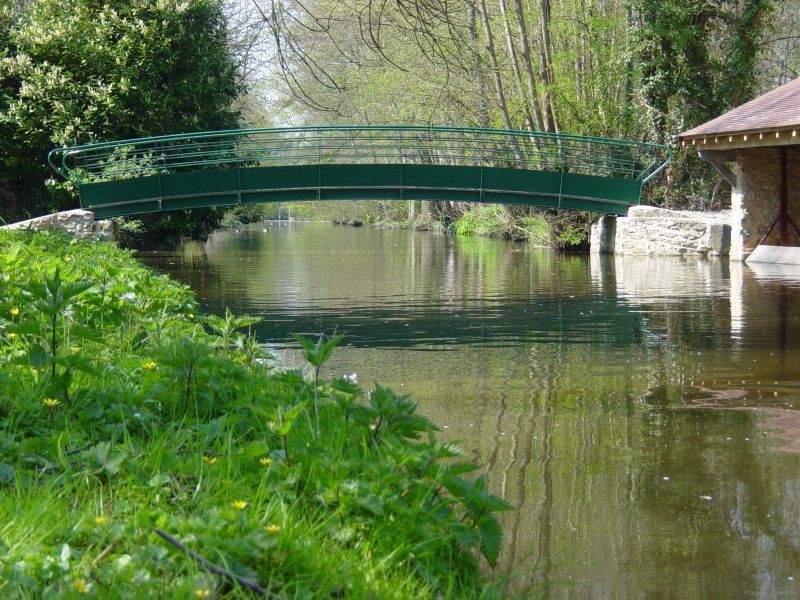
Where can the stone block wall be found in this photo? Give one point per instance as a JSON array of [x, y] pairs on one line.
[[756, 196], [80, 223], [650, 231], [603, 235]]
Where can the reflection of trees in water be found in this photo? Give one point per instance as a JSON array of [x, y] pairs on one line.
[[393, 289], [583, 460], [190, 264], [694, 324], [519, 465]]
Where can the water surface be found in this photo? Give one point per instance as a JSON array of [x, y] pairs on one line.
[[640, 414]]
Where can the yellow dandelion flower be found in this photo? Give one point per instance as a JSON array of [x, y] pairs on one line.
[[272, 529], [14, 311], [239, 504], [149, 365], [81, 586], [190, 315], [75, 349], [202, 593], [51, 402], [101, 520], [265, 461], [210, 460], [12, 335]]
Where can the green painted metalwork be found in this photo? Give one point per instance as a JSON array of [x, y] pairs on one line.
[[359, 162]]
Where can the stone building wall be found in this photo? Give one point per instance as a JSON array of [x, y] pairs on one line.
[[756, 196], [80, 223], [650, 231]]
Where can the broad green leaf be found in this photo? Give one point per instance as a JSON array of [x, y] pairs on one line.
[[372, 503], [491, 537], [70, 291], [79, 362], [38, 357], [84, 333], [25, 328], [464, 534], [255, 450], [6, 472]]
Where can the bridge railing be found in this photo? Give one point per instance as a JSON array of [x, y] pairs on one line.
[[621, 159]]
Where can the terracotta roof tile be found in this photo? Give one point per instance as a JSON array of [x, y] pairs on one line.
[[778, 109]]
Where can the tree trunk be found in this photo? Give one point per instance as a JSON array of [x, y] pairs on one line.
[[425, 209], [483, 110], [525, 53], [498, 81], [547, 66], [512, 53]]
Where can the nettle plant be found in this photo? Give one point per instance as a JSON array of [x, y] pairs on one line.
[[230, 340], [381, 466], [54, 328]]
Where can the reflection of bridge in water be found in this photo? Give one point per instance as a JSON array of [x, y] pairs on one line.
[[453, 292], [359, 162]]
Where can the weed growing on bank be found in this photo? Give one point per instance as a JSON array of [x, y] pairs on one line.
[[147, 451], [493, 220]]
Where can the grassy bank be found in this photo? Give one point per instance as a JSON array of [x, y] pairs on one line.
[[149, 451], [493, 220]]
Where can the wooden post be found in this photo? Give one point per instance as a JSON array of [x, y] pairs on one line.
[[783, 217]]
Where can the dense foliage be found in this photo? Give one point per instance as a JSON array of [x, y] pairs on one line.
[[698, 60], [86, 71], [135, 432]]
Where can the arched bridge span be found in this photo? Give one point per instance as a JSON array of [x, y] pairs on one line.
[[359, 162]]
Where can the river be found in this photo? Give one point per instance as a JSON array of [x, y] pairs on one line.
[[641, 414]]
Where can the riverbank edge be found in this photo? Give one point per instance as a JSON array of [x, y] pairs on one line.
[[146, 400], [490, 220]]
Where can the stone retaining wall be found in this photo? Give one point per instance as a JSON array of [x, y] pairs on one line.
[[80, 223], [650, 231]]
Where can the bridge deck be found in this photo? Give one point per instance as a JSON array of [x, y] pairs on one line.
[[345, 163]]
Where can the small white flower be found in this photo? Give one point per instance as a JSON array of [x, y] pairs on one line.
[[352, 378], [129, 296]]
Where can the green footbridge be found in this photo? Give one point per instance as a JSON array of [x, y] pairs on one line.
[[217, 168]]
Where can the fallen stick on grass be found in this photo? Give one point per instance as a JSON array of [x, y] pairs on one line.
[[216, 569]]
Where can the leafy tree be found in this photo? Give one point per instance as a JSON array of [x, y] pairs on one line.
[[87, 71], [698, 59]]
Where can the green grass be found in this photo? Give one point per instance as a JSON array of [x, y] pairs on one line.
[[494, 220], [481, 220], [125, 413]]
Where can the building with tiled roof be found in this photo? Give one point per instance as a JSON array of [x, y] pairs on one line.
[[757, 149]]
